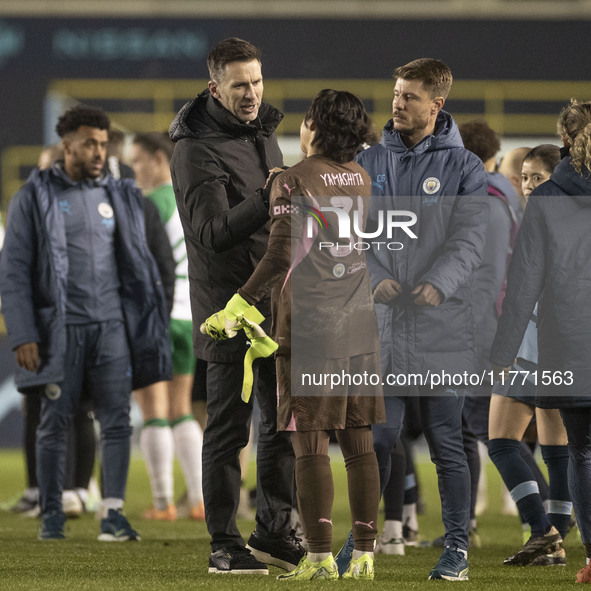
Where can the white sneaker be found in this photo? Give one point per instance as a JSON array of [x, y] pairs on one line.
[[393, 546], [391, 540], [72, 504]]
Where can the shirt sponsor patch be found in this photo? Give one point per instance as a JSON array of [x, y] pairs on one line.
[[284, 209], [356, 267]]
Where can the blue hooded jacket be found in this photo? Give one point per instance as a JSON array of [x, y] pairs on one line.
[[34, 276], [438, 165], [445, 185]]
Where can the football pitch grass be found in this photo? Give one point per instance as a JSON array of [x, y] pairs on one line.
[[175, 555]]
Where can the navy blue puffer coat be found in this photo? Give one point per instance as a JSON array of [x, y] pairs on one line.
[[445, 185], [552, 262]]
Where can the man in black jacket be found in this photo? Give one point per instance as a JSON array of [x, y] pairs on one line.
[[225, 147]]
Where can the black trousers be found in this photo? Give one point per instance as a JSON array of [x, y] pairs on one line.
[[227, 432]]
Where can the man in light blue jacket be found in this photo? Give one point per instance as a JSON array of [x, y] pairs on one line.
[[421, 277], [84, 308]]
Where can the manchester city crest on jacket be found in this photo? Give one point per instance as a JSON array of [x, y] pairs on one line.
[[431, 185]]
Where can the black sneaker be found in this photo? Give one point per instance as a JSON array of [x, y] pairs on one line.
[[52, 526], [26, 506], [452, 566], [238, 561], [557, 558], [534, 547], [285, 552], [116, 528], [410, 536]]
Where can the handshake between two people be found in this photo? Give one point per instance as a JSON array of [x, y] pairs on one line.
[[225, 324]]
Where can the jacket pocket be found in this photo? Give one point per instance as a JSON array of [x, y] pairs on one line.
[[446, 327]]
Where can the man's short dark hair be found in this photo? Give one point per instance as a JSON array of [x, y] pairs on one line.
[[230, 50], [155, 141], [480, 139], [81, 115], [434, 74]]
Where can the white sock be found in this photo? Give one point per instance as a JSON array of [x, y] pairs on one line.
[[318, 556], [111, 503], [188, 443], [409, 516], [69, 495], [83, 494], [157, 445], [31, 494], [359, 553], [392, 530]]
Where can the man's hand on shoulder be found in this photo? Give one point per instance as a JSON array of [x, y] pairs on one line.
[[27, 356], [426, 295], [266, 190], [274, 172]]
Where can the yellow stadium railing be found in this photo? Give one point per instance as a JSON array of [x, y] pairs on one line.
[[164, 96], [492, 100]]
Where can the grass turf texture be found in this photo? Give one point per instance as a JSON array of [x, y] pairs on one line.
[[175, 555]]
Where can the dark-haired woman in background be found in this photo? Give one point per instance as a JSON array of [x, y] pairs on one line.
[[511, 411], [537, 167]]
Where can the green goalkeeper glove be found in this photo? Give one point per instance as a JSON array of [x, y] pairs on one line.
[[226, 323], [260, 346]]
